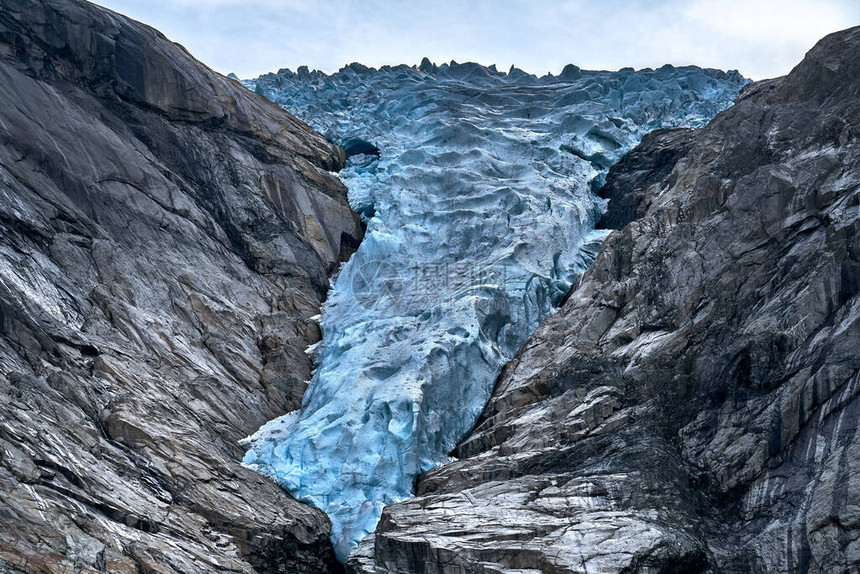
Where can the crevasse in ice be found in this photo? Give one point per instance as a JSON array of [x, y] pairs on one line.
[[476, 187]]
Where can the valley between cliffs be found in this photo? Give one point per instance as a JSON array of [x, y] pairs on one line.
[[168, 238]]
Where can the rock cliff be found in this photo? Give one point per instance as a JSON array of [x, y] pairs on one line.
[[165, 240], [693, 407]]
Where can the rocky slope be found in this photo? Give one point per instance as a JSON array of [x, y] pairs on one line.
[[693, 407], [165, 239]]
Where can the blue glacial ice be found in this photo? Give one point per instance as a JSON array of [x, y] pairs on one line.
[[477, 190]]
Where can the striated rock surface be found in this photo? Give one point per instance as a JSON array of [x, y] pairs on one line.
[[693, 407], [165, 240]]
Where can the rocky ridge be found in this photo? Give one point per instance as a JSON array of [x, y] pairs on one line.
[[693, 406], [165, 240]]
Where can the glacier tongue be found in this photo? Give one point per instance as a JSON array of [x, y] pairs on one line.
[[477, 191]]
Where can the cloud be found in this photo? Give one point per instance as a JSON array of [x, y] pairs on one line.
[[761, 38]]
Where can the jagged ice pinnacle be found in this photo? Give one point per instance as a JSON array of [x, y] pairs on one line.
[[477, 189]]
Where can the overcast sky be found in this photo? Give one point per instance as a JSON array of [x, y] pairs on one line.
[[761, 38]]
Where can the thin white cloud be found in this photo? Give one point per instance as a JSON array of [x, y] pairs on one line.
[[761, 38]]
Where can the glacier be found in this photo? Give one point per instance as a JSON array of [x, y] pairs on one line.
[[477, 188]]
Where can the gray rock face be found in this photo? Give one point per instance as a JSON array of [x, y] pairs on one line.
[[165, 240], [694, 405]]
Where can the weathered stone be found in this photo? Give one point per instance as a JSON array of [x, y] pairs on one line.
[[165, 240]]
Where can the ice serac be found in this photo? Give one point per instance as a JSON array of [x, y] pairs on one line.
[[165, 238], [476, 187], [694, 404]]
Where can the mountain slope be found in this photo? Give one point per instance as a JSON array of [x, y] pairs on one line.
[[165, 239], [693, 406]]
